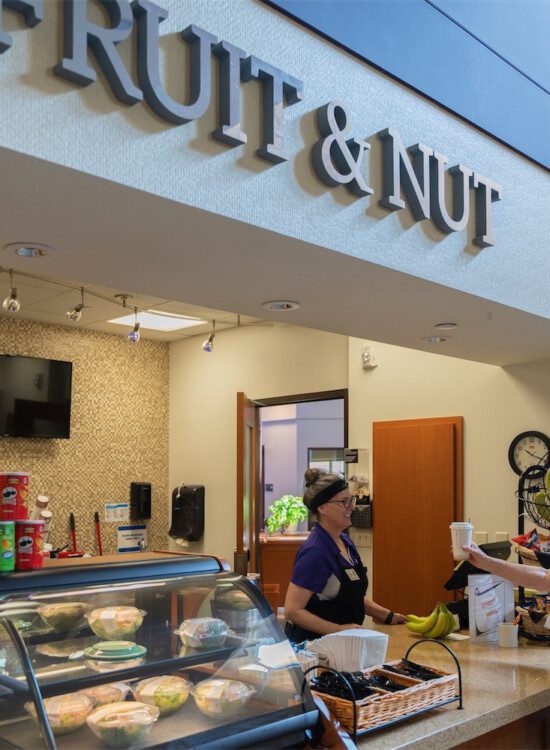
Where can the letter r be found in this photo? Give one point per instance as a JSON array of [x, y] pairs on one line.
[[79, 33]]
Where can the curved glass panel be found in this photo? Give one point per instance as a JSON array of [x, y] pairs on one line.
[[19, 726], [215, 633]]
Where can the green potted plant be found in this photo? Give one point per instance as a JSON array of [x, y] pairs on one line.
[[286, 511]]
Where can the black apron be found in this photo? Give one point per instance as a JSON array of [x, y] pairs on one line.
[[347, 607]]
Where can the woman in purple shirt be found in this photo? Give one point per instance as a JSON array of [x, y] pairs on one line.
[[327, 592]]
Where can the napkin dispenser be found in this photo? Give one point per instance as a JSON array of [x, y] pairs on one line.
[[187, 512]]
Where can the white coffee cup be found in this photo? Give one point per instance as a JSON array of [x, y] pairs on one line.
[[508, 635], [461, 533]]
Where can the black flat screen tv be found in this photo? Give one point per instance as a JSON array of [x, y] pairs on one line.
[[35, 397]]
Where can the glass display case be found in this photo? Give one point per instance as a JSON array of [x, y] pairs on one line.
[[159, 651]]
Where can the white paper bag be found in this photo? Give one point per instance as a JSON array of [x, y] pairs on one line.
[[490, 601]]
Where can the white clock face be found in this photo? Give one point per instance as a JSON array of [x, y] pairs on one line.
[[530, 451]]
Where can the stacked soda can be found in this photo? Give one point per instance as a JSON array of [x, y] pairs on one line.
[[21, 539]]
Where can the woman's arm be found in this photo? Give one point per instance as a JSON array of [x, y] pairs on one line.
[[520, 575], [295, 611], [380, 614]]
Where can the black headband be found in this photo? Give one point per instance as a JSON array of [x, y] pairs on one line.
[[325, 495]]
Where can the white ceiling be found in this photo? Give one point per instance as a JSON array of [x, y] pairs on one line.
[[111, 239], [49, 302]]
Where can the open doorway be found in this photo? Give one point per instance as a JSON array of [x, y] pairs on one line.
[[252, 502], [296, 436]]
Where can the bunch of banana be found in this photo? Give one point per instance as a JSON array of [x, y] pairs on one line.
[[438, 624]]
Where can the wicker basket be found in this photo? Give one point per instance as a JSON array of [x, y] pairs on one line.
[[535, 630], [527, 555], [376, 710]]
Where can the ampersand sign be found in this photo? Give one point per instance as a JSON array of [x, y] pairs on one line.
[[337, 161]]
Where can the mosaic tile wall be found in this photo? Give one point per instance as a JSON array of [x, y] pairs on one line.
[[119, 429]]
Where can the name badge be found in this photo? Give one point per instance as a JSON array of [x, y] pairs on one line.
[[352, 574]]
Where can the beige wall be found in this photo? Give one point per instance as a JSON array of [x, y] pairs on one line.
[[496, 403], [119, 428], [262, 362]]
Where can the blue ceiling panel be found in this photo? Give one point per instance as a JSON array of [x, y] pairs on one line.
[[486, 61]]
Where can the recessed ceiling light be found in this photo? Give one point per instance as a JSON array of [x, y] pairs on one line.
[[157, 321], [436, 339], [280, 305], [445, 326], [30, 249]]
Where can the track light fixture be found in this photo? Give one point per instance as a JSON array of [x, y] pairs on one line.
[[11, 303], [208, 345], [76, 313], [134, 335]]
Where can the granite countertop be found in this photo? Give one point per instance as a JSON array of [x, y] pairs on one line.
[[500, 685]]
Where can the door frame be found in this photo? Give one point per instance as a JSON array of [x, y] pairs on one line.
[[299, 398]]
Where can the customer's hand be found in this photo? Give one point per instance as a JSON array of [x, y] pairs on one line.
[[476, 556]]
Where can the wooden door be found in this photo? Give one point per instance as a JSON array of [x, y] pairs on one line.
[[246, 557], [417, 493]]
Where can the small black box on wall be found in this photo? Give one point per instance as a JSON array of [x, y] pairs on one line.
[[140, 500]]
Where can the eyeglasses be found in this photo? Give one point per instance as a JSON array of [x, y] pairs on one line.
[[347, 502]]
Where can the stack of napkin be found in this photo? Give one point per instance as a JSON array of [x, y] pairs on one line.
[[352, 650]]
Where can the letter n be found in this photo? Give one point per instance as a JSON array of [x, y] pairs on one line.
[[407, 169]]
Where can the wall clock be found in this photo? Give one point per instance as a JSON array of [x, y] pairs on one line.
[[529, 448]]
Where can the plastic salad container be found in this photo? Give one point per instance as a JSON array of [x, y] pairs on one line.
[[63, 616], [221, 698], [167, 693], [233, 599], [124, 723], [108, 656], [111, 692], [115, 623], [203, 632], [66, 713]]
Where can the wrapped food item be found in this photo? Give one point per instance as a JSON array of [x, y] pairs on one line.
[[71, 648], [108, 656], [115, 623], [123, 724], [167, 693], [203, 632], [221, 698], [231, 598], [111, 692], [63, 616], [66, 713]]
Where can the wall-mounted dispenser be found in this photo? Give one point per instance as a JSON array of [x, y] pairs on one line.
[[187, 512], [140, 500]]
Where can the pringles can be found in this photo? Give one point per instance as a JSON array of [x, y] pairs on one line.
[[14, 491], [7, 546], [29, 545]]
